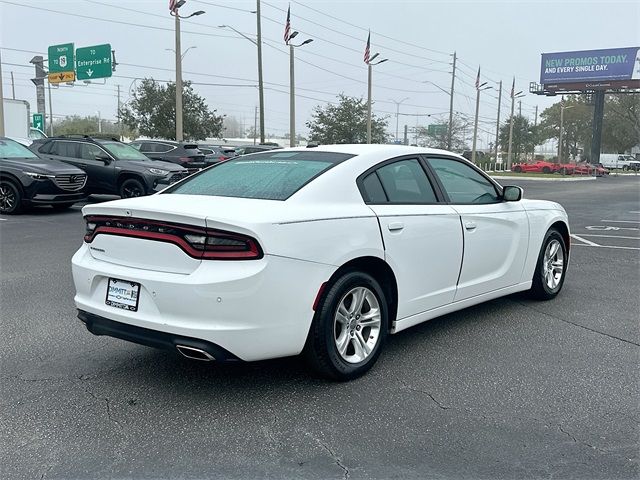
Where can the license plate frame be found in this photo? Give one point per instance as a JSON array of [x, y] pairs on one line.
[[122, 294]]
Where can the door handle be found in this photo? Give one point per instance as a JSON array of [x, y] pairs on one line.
[[396, 226], [470, 226]]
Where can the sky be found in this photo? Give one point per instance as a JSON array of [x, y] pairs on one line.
[[503, 38]]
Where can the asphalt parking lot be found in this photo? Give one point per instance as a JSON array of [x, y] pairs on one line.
[[509, 389]]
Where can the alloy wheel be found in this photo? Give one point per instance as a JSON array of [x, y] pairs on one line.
[[357, 325], [7, 198], [553, 264]]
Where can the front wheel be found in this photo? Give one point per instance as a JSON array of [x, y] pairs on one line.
[[132, 188], [551, 267], [546, 170], [10, 198], [349, 327], [517, 169]]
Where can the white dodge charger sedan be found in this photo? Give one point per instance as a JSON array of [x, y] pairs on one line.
[[322, 250]]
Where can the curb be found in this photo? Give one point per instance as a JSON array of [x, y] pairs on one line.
[[546, 179]]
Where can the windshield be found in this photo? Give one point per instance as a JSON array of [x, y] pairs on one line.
[[267, 176], [11, 149], [120, 151]]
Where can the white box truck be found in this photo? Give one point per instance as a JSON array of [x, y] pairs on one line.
[[618, 160], [17, 122]]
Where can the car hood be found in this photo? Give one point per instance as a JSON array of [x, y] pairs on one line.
[[172, 167], [41, 165]]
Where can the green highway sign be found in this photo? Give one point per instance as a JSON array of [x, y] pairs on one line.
[[93, 62], [437, 129], [38, 121], [61, 58]]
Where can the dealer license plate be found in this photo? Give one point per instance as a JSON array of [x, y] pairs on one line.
[[123, 294]]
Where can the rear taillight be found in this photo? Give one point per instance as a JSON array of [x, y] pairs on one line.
[[185, 159], [196, 242]]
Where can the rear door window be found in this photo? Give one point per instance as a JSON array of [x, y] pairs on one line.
[[268, 176], [405, 182], [65, 149]]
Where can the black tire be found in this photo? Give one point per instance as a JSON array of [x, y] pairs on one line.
[[540, 289], [61, 206], [132, 187], [517, 169], [625, 168], [10, 198], [321, 350], [546, 170]]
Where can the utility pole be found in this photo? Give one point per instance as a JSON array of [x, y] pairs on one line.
[[475, 123], [38, 81], [498, 119], [406, 137], [13, 87], [1, 102], [398, 114], [535, 119], [50, 111], [260, 83], [179, 128], [519, 108], [453, 81], [99, 122], [514, 95]]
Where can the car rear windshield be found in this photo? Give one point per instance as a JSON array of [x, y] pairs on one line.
[[123, 152], [269, 176]]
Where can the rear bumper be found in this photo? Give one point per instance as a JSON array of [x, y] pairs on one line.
[[254, 310], [151, 338]]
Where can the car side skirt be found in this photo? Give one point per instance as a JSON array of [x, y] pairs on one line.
[[407, 322]]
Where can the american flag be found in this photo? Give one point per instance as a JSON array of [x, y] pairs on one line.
[[513, 87], [172, 5], [478, 79], [287, 27], [367, 50]]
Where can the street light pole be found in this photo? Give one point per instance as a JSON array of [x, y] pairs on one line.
[[513, 103], [562, 109], [179, 128], [453, 81], [475, 124], [498, 119], [398, 103], [179, 112]]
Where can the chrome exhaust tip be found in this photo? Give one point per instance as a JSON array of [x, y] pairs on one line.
[[195, 353]]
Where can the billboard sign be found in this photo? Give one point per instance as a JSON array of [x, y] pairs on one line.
[[610, 64]]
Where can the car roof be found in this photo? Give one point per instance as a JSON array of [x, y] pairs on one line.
[[377, 149]]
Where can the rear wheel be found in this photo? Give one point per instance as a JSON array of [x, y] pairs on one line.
[[132, 188], [349, 327], [10, 198], [546, 170], [551, 267], [517, 169]]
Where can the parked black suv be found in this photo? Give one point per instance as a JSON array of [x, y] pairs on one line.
[[113, 167], [183, 153], [28, 179]]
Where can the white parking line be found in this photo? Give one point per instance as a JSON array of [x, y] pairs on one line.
[[3, 219], [589, 243], [605, 246], [609, 236], [621, 221]]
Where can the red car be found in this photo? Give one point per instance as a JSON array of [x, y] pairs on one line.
[[583, 168], [538, 167]]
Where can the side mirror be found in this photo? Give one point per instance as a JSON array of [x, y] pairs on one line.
[[104, 158], [511, 193]]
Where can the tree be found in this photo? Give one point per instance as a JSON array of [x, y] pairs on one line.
[[524, 138], [576, 125], [439, 138], [621, 123], [345, 122], [152, 107], [75, 124]]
